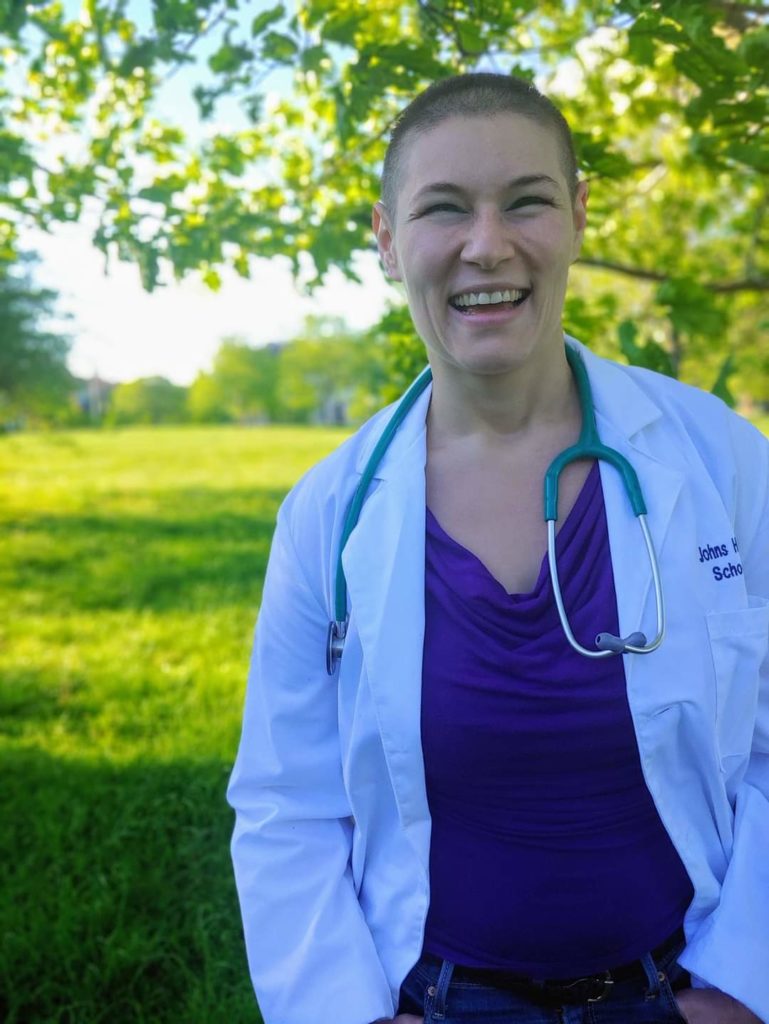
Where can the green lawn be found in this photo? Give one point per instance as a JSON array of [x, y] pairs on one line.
[[130, 577]]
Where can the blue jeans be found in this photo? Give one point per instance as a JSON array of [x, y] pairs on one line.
[[429, 991]]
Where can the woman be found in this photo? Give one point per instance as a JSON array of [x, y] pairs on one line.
[[470, 820]]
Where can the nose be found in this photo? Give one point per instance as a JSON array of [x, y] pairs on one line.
[[489, 240]]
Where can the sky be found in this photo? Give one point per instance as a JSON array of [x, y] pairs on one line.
[[120, 332]]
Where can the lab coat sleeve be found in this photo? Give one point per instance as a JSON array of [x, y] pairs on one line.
[[731, 950], [311, 955]]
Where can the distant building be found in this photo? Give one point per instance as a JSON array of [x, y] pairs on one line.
[[333, 410], [92, 396]]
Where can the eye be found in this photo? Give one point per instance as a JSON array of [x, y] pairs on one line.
[[531, 200], [442, 208]]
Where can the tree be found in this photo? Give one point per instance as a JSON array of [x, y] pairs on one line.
[[400, 352], [325, 374], [150, 400], [669, 100], [315, 381], [243, 384], [206, 402], [34, 380], [330, 374]]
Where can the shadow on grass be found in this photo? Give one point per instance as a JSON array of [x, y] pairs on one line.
[[117, 902], [196, 549]]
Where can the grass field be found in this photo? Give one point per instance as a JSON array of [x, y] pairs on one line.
[[130, 576]]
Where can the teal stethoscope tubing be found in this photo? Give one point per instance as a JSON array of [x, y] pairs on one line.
[[588, 446]]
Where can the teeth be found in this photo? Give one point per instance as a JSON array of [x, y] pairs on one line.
[[487, 298]]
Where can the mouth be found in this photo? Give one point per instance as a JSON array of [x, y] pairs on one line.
[[479, 303]]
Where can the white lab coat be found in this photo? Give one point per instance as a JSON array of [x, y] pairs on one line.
[[331, 845]]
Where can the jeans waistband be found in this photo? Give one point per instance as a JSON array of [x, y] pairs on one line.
[[497, 978]]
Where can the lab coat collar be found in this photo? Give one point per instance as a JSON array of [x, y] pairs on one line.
[[617, 398], [409, 442]]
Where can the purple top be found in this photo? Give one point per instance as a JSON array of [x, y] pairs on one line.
[[547, 856]]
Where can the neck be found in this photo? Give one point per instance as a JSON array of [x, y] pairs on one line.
[[495, 407]]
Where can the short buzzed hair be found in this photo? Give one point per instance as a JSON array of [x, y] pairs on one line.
[[480, 94]]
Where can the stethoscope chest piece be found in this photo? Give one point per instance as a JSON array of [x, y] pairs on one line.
[[334, 644]]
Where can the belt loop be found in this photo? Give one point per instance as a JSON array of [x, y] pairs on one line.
[[652, 976], [435, 1007]]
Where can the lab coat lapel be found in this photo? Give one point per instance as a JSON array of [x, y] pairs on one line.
[[384, 566], [625, 417], [633, 582]]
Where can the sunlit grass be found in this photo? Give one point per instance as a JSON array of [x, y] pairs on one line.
[[130, 575]]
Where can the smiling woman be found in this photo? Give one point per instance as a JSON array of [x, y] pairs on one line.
[[503, 224], [485, 814]]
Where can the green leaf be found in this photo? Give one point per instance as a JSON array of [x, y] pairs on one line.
[[140, 55], [149, 267], [312, 58], [229, 58], [241, 265], [695, 67], [627, 333], [341, 28], [651, 355], [206, 100], [470, 37], [252, 107], [598, 160], [754, 154], [691, 308], [721, 385], [267, 18], [754, 48], [640, 45], [278, 47], [212, 279], [154, 194]]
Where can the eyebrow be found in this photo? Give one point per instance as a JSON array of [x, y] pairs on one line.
[[525, 179]]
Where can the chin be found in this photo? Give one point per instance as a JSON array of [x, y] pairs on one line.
[[490, 360]]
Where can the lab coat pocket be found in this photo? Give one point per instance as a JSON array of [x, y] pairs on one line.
[[739, 641]]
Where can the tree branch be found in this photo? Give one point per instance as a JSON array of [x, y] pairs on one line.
[[192, 42], [436, 17], [750, 284], [619, 268], [731, 7]]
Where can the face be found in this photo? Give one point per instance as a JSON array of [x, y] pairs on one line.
[[482, 239]]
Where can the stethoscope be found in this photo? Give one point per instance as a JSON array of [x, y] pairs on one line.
[[588, 446]]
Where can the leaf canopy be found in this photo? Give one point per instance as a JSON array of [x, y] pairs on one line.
[[669, 101]]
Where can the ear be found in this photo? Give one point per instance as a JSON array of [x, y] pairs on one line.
[[579, 213], [380, 222]]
